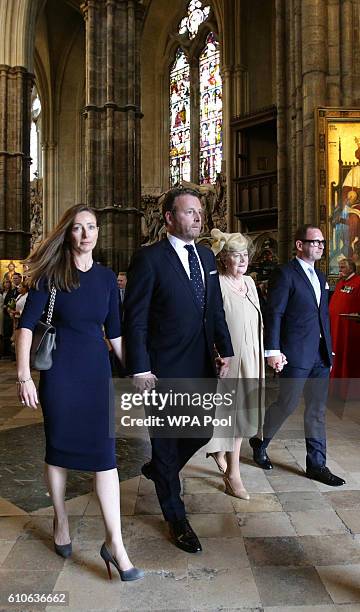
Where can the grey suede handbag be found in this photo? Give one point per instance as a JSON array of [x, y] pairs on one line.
[[44, 339]]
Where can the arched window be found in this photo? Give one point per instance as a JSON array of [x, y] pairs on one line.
[[195, 102]]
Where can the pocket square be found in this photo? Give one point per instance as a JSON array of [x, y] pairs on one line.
[[327, 285], [213, 272]]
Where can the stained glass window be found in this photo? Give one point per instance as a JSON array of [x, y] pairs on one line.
[[210, 110], [179, 119], [207, 109], [196, 14]]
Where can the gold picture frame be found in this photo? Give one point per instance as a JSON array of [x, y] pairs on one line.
[[338, 179]]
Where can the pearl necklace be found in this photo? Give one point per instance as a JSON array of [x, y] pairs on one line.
[[239, 287]]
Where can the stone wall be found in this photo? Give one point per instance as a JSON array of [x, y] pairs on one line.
[[317, 64]]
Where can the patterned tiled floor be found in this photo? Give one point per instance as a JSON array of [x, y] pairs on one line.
[[294, 547]]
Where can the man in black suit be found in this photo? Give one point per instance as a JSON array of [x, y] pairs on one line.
[[8, 324], [117, 368], [121, 281], [173, 318], [298, 344]]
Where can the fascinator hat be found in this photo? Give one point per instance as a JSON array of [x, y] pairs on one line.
[[222, 241]]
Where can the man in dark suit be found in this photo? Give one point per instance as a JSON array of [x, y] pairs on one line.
[[173, 318], [298, 344], [121, 281], [8, 324], [117, 367]]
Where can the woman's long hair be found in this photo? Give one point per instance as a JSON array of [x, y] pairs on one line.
[[53, 260]]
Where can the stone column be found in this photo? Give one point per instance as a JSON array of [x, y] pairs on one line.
[[314, 70], [302, 62], [15, 119], [291, 119], [50, 190], [241, 90], [226, 75], [346, 50], [334, 89], [282, 131], [298, 217], [112, 125]]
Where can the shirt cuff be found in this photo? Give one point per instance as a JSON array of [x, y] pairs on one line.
[[272, 353], [142, 373]]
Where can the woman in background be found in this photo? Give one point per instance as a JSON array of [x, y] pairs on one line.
[[17, 307]]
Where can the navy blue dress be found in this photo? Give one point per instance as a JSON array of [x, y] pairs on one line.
[[76, 394]]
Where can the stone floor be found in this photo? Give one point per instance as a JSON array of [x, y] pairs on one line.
[[294, 547]]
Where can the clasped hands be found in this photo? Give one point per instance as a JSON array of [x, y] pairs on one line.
[[277, 362], [148, 380], [144, 382], [222, 366]]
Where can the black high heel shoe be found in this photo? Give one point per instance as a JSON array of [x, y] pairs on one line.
[[63, 550], [131, 574]]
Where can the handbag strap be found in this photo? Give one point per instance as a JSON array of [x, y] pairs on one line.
[[51, 305]]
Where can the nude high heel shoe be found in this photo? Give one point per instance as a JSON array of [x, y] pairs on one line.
[[220, 467], [240, 492]]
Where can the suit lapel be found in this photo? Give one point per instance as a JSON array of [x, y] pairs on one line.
[[301, 272]]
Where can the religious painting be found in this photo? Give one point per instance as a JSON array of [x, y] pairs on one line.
[[8, 267], [339, 185]]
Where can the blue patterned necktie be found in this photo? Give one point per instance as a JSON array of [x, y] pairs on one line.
[[195, 275]]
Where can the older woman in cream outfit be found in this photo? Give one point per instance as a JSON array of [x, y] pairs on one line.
[[247, 369]]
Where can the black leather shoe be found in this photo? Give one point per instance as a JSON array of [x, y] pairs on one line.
[[323, 474], [259, 454], [184, 537], [146, 470]]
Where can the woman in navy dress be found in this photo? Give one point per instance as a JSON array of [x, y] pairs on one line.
[[76, 393]]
